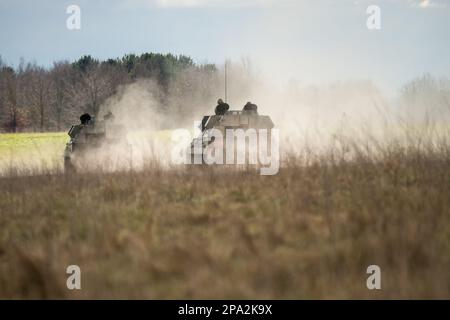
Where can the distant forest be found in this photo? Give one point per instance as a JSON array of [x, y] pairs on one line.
[[34, 98]]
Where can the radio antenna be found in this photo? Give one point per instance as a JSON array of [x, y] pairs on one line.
[[226, 81]]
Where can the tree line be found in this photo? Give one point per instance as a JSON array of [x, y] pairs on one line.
[[34, 98]]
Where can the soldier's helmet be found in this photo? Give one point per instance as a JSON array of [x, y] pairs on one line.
[[85, 118]]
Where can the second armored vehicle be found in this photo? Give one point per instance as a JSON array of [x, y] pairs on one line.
[[88, 138]]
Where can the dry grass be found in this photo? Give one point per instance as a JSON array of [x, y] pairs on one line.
[[308, 232]]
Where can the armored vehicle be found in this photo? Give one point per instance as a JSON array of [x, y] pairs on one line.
[[230, 119], [88, 138]]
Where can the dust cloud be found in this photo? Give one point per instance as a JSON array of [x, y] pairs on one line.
[[312, 118]]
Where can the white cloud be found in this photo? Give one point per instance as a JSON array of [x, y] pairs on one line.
[[421, 4], [181, 3], [213, 3], [424, 4]]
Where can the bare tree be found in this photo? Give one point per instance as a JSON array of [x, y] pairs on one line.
[[59, 95], [12, 118], [2, 91], [91, 82], [37, 93], [426, 96]]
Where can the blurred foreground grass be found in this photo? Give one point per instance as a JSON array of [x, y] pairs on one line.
[[308, 232]]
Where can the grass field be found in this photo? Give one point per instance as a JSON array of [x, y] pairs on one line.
[[308, 232], [22, 152], [31, 153]]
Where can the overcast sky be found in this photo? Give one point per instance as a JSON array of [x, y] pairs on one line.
[[314, 42]]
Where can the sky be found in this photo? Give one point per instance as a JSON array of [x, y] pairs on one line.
[[311, 42]]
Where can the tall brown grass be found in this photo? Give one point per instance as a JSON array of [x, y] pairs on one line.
[[309, 232]]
